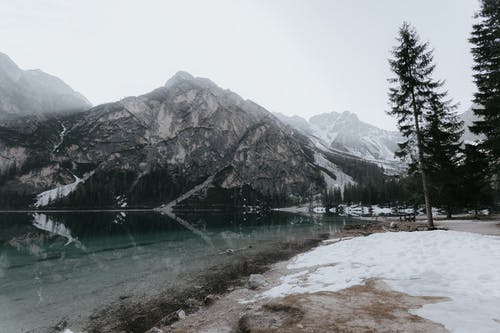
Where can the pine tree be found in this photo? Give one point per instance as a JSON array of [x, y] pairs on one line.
[[476, 190], [409, 97], [441, 144], [486, 54]]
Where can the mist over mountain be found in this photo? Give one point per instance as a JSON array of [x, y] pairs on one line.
[[34, 93]]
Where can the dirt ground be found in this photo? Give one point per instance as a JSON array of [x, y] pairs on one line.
[[485, 227], [369, 308], [372, 307]]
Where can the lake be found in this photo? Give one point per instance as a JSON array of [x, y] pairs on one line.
[[67, 265]]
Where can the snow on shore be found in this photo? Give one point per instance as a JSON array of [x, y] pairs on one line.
[[464, 267]]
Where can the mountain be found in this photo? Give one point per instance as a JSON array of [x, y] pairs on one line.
[[33, 92], [144, 151], [345, 133], [468, 117]]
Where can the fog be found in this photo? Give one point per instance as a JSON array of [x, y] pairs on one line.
[[293, 57]]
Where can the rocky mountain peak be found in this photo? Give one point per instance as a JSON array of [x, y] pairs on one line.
[[184, 81], [178, 78], [349, 115]]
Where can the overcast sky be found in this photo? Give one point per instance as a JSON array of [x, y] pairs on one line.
[[296, 57]]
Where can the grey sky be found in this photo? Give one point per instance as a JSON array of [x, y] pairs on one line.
[[296, 57]]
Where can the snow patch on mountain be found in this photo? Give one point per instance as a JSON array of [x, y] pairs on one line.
[[342, 179], [45, 198]]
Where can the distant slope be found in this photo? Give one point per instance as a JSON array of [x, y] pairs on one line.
[[33, 92], [344, 133], [468, 118]]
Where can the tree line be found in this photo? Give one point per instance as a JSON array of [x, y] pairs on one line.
[[443, 171]]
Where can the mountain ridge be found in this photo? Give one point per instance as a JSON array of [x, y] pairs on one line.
[[187, 131], [35, 93], [344, 132]]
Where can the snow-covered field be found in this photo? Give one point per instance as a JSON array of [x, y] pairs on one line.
[[464, 267]]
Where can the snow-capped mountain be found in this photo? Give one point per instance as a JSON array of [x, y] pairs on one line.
[[468, 117], [34, 92], [345, 133]]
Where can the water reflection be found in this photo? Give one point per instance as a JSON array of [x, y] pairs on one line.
[[43, 222], [64, 265]]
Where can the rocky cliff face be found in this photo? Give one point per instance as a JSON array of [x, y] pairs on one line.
[[197, 129], [34, 93], [187, 131]]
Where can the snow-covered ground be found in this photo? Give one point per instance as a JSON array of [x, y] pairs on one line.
[[465, 267]]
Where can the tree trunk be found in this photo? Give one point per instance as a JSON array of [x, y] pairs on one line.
[[420, 148]]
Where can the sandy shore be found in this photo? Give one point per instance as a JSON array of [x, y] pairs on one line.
[[372, 307]]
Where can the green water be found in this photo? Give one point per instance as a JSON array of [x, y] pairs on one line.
[[65, 265]]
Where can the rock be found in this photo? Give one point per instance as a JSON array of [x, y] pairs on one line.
[[228, 252], [393, 225], [210, 299], [181, 314], [155, 330], [169, 319], [192, 302], [256, 281], [60, 326]]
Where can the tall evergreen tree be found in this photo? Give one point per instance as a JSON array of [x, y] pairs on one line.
[[409, 96], [441, 144], [486, 53]]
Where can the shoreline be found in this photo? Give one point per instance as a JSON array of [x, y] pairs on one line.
[[139, 315], [168, 310], [77, 210], [245, 310]]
